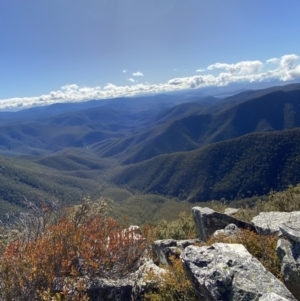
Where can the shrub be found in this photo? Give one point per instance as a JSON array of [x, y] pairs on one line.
[[81, 243], [174, 286], [283, 201], [288, 200], [181, 228]]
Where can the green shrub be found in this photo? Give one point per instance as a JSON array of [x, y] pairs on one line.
[[283, 201], [175, 285], [181, 228], [288, 200]]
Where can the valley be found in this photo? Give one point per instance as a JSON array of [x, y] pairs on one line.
[[149, 153]]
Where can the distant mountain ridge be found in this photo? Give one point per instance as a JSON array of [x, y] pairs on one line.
[[271, 112], [192, 147]]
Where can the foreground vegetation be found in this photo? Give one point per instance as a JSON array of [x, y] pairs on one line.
[[176, 285], [83, 241], [46, 253]]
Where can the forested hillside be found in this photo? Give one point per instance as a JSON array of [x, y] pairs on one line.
[[250, 165], [181, 146]]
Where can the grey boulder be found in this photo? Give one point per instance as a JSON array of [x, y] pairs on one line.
[[228, 272], [208, 221], [229, 230], [289, 254], [130, 288], [291, 231], [163, 249], [269, 222]]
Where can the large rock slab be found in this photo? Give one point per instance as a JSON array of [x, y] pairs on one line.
[[269, 222], [228, 272], [289, 254], [208, 221]]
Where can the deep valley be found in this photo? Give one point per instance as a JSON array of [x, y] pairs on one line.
[[157, 149]]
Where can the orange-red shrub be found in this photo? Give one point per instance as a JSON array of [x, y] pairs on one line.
[[97, 246]]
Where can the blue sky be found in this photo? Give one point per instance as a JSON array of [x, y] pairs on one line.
[[71, 50]]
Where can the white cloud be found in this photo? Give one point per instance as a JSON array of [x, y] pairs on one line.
[[189, 82], [287, 62], [285, 68], [200, 70], [288, 68], [241, 68], [274, 60], [295, 73], [109, 86], [250, 71], [138, 73], [124, 71]]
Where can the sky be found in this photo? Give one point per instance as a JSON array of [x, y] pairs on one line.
[[73, 50]]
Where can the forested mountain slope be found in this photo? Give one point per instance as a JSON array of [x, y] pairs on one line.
[[252, 164], [185, 146], [271, 112]]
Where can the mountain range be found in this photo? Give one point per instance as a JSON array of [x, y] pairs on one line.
[[185, 146]]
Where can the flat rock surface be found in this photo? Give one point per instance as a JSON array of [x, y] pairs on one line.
[[228, 272], [269, 222]]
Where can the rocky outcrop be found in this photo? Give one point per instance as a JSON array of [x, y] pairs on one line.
[[289, 253], [130, 288], [269, 222], [222, 272], [163, 249], [108, 289], [228, 272], [229, 230], [208, 221], [97, 289], [141, 280]]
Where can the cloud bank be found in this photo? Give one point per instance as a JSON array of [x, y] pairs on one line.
[[285, 68]]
